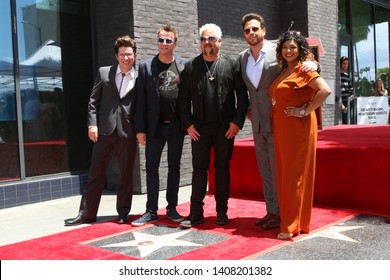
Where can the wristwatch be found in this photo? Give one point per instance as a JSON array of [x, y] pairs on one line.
[[302, 112]]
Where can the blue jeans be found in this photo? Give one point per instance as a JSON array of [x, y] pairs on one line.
[[172, 134]]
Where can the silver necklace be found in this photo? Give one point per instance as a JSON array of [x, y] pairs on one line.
[[211, 75]]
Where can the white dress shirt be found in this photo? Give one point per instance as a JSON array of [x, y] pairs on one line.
[[128, 81]]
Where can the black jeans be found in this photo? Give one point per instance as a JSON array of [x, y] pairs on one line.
[[173, 134], [211, 136]]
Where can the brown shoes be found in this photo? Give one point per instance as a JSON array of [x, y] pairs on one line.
[[263, 220], [269, 221], [273, 222]]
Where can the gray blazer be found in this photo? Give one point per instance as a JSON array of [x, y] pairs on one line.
[[107, 110], [260, 103]]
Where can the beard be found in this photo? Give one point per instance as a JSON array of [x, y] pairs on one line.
[[208, 50], [254, 41]]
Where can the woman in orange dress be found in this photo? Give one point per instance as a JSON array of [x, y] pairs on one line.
[[295, 95]]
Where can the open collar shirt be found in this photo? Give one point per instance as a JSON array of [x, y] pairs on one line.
[[254, 68]]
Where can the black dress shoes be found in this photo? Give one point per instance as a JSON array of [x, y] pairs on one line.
[[191, 221], [222, 219], [123, 219], [80, 219]]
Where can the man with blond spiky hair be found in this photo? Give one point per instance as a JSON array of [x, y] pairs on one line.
[[213, 102]]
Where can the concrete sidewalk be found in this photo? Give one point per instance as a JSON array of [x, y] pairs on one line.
[[45, 218]]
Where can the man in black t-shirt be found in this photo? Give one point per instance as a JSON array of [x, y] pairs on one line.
[[157, 123], [213, 102]]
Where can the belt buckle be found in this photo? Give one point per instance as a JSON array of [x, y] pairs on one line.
[[167, 121]]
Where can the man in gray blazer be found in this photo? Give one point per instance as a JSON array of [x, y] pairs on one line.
[[111, 120], [259, 68]]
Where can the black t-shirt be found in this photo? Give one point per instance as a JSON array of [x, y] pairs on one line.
[[210, 100], [167, 85]]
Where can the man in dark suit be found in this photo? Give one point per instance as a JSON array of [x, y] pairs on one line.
[[111, 118], [157, 123], [213, 103]]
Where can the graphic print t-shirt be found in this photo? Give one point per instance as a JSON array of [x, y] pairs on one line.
[[168, 87]]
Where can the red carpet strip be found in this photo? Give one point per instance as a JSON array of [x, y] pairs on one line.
[[244, 238]]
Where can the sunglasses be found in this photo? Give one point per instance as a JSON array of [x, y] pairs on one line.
[[248, 30], [295, 33], [167, 41], [210, 39]]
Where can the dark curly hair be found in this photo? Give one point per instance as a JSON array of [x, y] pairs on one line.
[[125, 41], [304, 50]]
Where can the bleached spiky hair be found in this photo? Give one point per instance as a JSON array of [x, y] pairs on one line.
[[211, 27]]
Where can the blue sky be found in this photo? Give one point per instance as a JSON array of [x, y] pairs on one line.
[[5, 27]]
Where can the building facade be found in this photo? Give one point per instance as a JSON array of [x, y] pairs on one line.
[[52, 49]]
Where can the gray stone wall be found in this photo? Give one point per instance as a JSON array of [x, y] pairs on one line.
[[143, 18], [150, 15], [322, 22]]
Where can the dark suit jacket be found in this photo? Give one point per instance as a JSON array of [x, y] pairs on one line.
[[232, 97], [107, 110], [148, 98]]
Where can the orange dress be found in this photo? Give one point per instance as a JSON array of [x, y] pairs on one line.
[[295, 149]]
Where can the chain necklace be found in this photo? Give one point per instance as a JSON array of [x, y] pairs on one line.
[[211, 75]]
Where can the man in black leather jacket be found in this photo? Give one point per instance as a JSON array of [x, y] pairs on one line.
[[212, 102]]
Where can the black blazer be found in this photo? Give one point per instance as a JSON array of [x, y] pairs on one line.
[[148, 98], [107, 110], [232, 96]]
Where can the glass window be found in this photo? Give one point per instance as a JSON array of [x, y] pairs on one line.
[[42, 98], [382, 34], [363, 44], [33, 99], [343, 17], [9, 151]]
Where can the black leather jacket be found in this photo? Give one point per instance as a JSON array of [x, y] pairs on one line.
[[232, 96]]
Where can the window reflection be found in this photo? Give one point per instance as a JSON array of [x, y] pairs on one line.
[[41, 92], [371, 46], [363, 44], [9, 159], [34, 97], [343, 25], [382, 50]]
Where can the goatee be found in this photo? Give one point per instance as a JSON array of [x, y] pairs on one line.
[[208, 51], [253, 42]]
